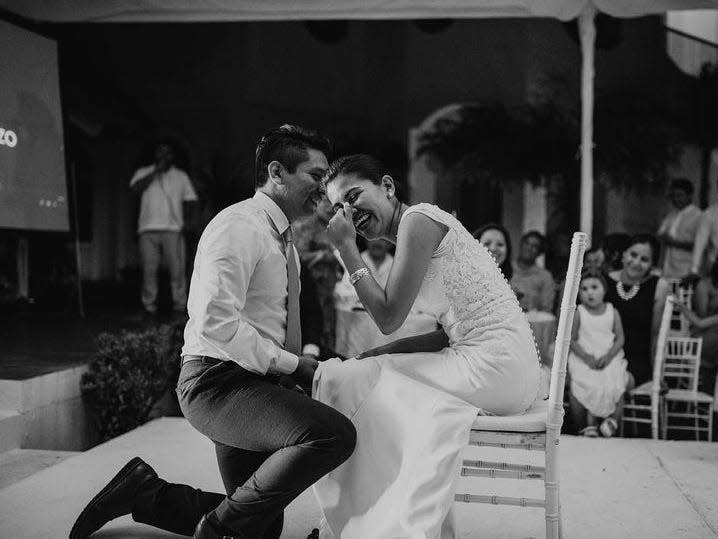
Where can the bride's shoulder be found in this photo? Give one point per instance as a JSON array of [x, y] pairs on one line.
[[430, 210]]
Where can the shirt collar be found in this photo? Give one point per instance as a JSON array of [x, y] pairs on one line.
[[275, 212]]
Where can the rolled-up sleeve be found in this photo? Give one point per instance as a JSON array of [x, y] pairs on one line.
[[228, 258]]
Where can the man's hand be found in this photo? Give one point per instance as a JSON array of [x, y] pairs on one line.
[[304, 373]]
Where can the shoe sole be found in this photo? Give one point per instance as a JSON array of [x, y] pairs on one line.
[[119, 476]]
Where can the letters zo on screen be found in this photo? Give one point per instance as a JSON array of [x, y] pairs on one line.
[[7, 138]]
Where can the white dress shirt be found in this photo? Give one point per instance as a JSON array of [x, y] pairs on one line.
[[161, 202], [238, 294]]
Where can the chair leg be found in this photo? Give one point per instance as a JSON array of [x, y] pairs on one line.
[[710, 422], [696, 423], [552, 511]]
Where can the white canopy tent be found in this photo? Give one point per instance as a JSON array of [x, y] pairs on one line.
[[270, 10]]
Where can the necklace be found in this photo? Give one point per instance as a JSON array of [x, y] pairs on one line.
[[626, 296]]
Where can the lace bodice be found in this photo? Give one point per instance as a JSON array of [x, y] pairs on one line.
[[464, 287]]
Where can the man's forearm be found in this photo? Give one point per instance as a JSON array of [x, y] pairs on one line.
[[143, 183], [682, 245], [428, 342]]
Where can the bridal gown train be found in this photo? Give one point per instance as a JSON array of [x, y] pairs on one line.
[[413, 412]]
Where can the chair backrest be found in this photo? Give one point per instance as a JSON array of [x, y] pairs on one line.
[[679, 323], [660, 353], [563, 338], [682, 362]]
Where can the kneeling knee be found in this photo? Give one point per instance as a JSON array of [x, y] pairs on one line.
[[337, 437]]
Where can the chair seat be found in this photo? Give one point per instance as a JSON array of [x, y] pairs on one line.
[[687, 395], [646, 388], [533, 420]]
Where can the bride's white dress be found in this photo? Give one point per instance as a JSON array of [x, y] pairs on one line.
[[413, 412]]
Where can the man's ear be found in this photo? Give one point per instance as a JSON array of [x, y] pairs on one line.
[[275, 171]]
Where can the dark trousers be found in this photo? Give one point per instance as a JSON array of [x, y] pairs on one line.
[[271, 444]]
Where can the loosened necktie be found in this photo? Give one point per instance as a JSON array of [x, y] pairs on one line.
[[293, 341]]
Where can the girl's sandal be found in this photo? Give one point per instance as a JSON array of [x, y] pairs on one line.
[[608, 427], [589, 432]]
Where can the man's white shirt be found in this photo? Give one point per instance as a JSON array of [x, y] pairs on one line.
[[161, 202], [238, 294]]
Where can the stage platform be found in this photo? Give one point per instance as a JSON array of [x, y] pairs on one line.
[[609, 488]]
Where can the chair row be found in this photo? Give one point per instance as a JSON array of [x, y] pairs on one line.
[[671, 400]]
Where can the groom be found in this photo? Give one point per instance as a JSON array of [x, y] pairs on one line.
[[242, 336]]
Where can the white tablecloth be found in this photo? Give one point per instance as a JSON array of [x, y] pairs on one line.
[[357, 332]]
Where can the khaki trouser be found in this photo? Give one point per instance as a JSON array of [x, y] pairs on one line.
[[157, 246]]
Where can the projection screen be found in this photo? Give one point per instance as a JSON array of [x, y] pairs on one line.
[[33, 190]]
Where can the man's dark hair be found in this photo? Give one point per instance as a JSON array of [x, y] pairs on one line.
[[540, 237], [683, 184], [287, 144]]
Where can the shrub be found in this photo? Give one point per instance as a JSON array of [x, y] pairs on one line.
[[128, 375]]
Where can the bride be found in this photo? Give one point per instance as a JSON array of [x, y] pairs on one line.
[[413, 401]]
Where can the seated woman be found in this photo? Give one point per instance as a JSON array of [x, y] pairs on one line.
[[638, 297], [413, 401], [704, 320], [497, 240], [533, 285]]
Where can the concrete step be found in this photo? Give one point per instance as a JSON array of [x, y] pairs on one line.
[[18, 464], [38, 391], [51, 410], [11, 430]]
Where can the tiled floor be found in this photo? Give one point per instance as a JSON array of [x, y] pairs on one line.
[[609, 488]]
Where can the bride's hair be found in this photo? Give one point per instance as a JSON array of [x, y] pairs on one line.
[[363, 165]]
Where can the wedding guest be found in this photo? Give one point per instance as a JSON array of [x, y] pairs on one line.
[[678, 230], [705, 247], [638, 297], [704, 322], [596, 364], [498, 241], [166, 195], [613, 246], [533, 284]]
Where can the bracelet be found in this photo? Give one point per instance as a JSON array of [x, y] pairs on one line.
[[357, 275]]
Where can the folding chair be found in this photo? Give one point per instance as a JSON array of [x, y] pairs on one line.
[[683, 401], [679, 323], [643, 402], [539, 428]]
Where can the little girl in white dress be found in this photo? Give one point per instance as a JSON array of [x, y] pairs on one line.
[[596, 364]]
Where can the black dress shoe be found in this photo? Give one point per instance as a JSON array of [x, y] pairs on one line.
[[314, 534], [206, 530], [114, 500]]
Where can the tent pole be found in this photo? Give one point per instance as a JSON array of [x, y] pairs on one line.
[[587, 30]]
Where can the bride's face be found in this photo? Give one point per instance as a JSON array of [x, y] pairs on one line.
[[373, 208]]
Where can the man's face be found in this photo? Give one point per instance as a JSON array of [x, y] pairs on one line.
[[164, 156], [679, 198], [304, 186], [530, 249]]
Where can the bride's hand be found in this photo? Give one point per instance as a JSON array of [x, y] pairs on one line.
[[341, 227]]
